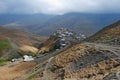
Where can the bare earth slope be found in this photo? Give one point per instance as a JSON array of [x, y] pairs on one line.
[[86, 61], [20, 37], [109, 34]]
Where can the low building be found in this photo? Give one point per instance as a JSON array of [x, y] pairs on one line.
[[28, 58]]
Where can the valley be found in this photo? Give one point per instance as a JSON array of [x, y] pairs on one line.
[[59, 40], [64, 55]]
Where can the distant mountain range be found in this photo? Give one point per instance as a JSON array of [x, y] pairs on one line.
[[45, 25]]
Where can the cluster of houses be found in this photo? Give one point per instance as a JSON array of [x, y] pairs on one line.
[[66, 35]]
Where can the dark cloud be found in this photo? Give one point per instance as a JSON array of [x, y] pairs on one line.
[[59, 6]]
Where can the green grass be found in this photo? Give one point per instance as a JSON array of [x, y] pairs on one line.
[[4, 46], [2, 61], [33, 75]]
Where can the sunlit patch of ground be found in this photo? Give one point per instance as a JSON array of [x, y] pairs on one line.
[[29, 49]]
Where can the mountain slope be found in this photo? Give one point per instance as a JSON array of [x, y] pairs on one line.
[[13, 39], [20, 37], [109, 34], [78, 61], [23, 19], [85, 23], [86, 61]]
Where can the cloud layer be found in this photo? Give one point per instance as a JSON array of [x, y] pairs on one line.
[[59, 6]]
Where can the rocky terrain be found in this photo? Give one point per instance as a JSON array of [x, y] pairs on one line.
[[74, 58], [83, 61]]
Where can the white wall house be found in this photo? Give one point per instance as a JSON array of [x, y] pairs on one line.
[[28, 58]]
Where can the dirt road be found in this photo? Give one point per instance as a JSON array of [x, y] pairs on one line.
[[112, 48]]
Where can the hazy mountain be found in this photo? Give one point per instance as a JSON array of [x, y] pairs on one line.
[[22, 20], [84, 23], [46, 24]]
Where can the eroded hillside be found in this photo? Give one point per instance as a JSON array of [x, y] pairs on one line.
[[73, 60], [81, 62]]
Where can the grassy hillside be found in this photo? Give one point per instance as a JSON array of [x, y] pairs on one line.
[[4, 46], [109, 34], [18, 39]]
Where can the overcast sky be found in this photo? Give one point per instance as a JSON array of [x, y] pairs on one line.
[[59, 6]]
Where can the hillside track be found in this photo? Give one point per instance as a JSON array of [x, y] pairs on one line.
[[112, 48]]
